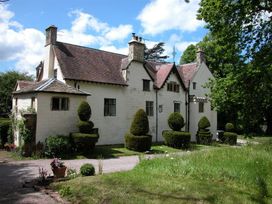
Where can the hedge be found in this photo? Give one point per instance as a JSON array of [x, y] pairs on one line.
[[139, 143], [230, 138], [85, 126], [177, 139], [84, 142], [5, 124], [204, 137]]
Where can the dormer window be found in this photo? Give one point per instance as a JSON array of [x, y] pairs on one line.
[[146, 85], [173, 86]]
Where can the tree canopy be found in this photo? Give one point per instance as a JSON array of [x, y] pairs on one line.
[[239, 52], [189, 55], [155, 53], [7, 83]]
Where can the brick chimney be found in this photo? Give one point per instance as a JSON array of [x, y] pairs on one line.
[[200, 56], [49, 59], [136, 49]]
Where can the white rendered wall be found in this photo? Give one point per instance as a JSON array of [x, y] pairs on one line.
[[167, 99], [201, 77], [56, 122]]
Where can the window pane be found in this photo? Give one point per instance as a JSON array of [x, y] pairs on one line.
[[201, 107], [149, 108], [146, 85], [64, 103], [55, 103], [177, 107], [109, 107]]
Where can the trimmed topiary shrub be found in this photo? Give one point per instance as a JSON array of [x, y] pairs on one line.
[[58, 146], [84, 111], [177, 139], [204, 137], [87, 170], [204, 123], [140, 125], [176, 121], [84, 142], [5, 125], [229, 127], [139, 143], [230, 138], [85, 126]]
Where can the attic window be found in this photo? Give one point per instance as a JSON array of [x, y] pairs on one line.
[[173, 86], [194, 85], [146, 85]]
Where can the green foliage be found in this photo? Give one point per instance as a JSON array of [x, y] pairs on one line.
[[139, 143], [203, 123], [25, 133], [229, 127], [84, 111], [155, 53], [204, 137], [87, 170], [176, 139], [189, 55], [58, 146], [84, 142], [176, 121], [140, 124], [5, 125], [7, 83], [85, 126], [230, 138]]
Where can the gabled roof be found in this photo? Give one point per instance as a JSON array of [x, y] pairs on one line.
[[49, 85], [87, 64], [187, 72], [23, 84]]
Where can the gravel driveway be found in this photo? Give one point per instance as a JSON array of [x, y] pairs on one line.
[[14, 173]]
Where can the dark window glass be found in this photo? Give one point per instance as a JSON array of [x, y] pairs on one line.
[[201, 107], [149, 108], [146, 85], [177, 107], [194, 85], [109, 107], [60, 103]]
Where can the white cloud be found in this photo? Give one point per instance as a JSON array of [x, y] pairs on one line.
[[24, 45], [119, 33], [112, 48], [161, 15]]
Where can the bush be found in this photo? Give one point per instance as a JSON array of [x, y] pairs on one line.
[[58, 146], [203, 123], [84, 142], [230, 138], [5, 125], [204, 137], [84, 111], [140, 125], [176, 121], [229, 127], [85, 126], [138, 143], [176, 139], [87, 170]]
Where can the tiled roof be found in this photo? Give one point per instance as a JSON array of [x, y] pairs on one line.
[[51, 86], [87, 64], [163, 71], [187, 72], [24, 84]]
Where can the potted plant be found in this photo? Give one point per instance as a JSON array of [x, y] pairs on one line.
[[58, 168]]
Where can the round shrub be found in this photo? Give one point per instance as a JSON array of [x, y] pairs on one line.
[[84, 111], [87, 170], [230, 138], [84, 142], [176, 139], [140, 125], [203, 123], [229, 127], [57, 146], [138, 143], [85, 126], [176, 121]]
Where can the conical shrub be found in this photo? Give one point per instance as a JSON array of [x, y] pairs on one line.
[[203, 123], [140, 125]]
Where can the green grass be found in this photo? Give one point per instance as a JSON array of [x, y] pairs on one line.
[[217, 175]]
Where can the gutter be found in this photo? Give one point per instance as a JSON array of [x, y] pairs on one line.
[[188, 107], [156, 115]]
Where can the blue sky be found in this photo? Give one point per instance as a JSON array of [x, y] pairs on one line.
[[101, 24]]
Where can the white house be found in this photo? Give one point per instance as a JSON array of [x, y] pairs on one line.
[[115, 86]]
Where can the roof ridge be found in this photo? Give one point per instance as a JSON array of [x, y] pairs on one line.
[[91, 48]]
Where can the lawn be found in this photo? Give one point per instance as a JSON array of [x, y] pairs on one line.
[[216, 175]]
